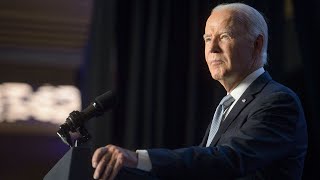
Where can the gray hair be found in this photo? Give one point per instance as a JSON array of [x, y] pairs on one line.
[[254, 22]]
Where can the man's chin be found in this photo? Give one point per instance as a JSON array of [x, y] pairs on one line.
[[216, 74], [216, 77]]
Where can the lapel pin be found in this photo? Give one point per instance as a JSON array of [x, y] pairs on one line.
[[243, 100]]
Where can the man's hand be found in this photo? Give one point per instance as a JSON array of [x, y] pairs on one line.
[[108, 160]]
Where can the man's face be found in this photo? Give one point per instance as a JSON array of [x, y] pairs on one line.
[[228, 50]]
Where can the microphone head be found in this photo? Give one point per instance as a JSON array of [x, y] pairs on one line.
[[106, 101]]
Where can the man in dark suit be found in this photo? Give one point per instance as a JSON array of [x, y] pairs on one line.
[[260, 134]]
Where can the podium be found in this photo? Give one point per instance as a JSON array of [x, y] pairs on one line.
[[76, 165]]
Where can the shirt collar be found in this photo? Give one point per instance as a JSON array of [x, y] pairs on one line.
[[239, 90]]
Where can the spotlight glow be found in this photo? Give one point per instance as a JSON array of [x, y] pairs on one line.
[[18, 101]]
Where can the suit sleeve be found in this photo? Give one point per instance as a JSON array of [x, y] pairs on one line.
[[267, 133]]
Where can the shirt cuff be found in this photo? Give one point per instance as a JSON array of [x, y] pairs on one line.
[[144, 162]]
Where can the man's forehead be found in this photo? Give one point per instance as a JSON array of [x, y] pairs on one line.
[[221, 20], [218, 23]]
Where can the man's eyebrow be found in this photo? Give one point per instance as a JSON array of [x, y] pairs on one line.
[[206, 35]]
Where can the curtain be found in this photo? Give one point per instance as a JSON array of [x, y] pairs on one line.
[[151, 54], [307, 19]]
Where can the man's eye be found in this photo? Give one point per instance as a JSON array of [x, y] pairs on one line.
[[225, 36], [207, 39]]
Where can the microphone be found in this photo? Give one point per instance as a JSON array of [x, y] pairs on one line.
[[100, 105], [75, 121]]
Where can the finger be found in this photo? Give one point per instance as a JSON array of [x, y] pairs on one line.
[[109, 167], [117, 166], [97, 155], [101, 167], [107, 172], [98, 170]]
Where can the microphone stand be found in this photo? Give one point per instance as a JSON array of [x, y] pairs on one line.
[[74, 123]]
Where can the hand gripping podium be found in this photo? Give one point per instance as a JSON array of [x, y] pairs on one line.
[[76, 165]]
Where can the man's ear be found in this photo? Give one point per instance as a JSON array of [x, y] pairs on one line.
[[258, 44]]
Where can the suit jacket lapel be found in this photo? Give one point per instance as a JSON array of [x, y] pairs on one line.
[[244, 100]]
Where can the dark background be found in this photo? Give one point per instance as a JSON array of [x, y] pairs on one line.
[[151, 53]]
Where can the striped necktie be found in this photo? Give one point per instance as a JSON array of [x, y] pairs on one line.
[[218, 116]]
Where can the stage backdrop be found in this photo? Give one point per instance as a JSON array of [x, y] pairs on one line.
[[151, 53]]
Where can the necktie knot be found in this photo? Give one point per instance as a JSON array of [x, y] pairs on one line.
[[227, 101]]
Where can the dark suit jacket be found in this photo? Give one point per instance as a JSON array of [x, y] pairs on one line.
[[263, 137]]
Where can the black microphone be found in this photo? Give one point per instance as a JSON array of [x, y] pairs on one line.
[[75, 121], [100, 105]]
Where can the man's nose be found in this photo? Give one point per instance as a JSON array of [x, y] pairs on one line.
[[214, 46]]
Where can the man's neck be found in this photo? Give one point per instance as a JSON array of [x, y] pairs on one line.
[[231, 83]]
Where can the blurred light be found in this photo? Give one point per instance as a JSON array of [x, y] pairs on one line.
[[18, 101]]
